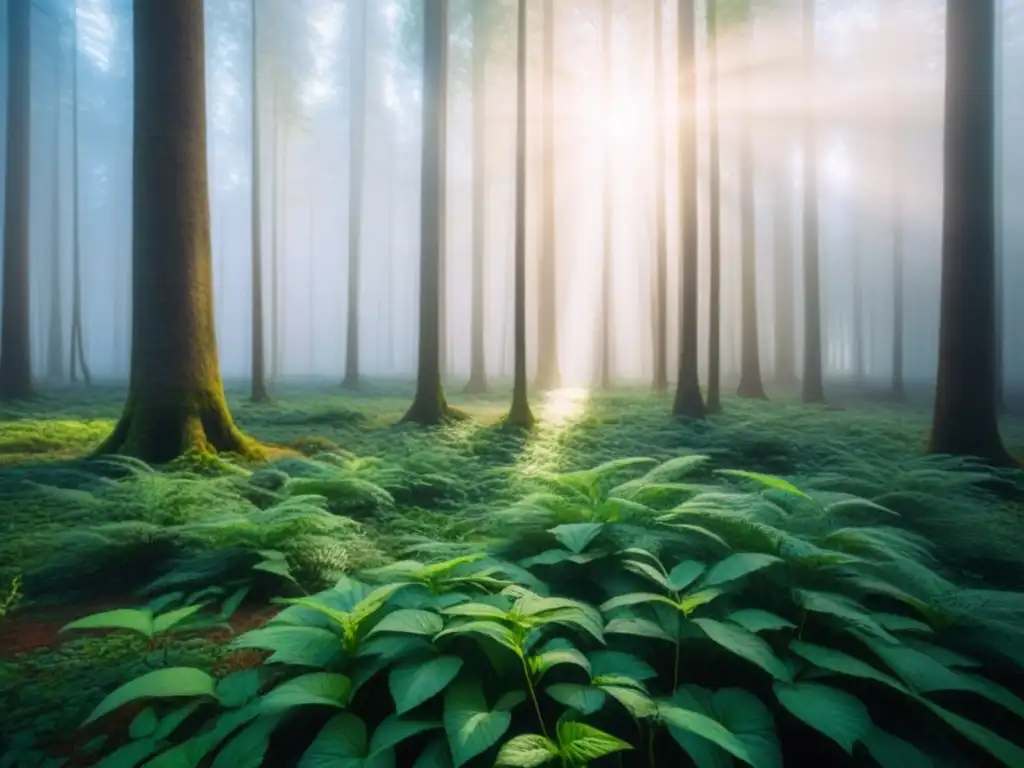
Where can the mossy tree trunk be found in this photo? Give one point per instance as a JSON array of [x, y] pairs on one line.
[[259, 378], [660, 335], [548, 374], [356, 164], [519, 414], [813, 389], [176, 399], [477, 383], [688, 400], [429, 405], [965, 419], [15, 344]]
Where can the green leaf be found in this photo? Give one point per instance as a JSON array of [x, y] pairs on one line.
[[239, 688], [484, 629], [342, 738], [737, 566], [637, 703], [842, 663], [477, 611], [144, 724], [619, 663], [436, 755], [746, 645], [851, 612], [582, 744], [767, 480], [127, 756], [301, 646], [394, 730], [650, 572], [412, 684], [576, 536], [585, 699], [526, 751], [248, 748], [1008, 752], [165, 621], [410, 621], [471, 727], [893, 752], [131, 619], [742, 715], [171, 721], [553, 656], [510, 700], [682, 721], [684, 574], [695, 600], [896, 623], [316, 688], [756, 620], [233, 601], [834, 713], [635, 598], [636, 627], [172, 682]]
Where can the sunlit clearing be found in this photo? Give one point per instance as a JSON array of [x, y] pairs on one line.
[[560, 409]]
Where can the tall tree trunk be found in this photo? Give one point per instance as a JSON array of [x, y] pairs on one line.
[[999, 139], [813, 389], [276, 366], [176, 398], [688, 400], [859, 365], [259, 382], [15, 343], [548, 374], [604, 333], [660, 378], [55, 332], [429, 405], [785, 342], [356, 164], [715, 223], [77, 342], [965, 420], [478, 355], [519, 414]]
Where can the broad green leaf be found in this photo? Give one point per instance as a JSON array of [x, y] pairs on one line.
[[410, 621], [394, 730], [484, 629], [582, 744], [842, 664], [651, 572], [144, 724], [585, 699], [342, 737], [635, 598], [233, 601], [239, 688], [767, 480], [756, 620], [248, 748], [619, 663], [166, 621], [194, 751], [510, 700], [585, 618], [741, 714], [834, 713], [471, 727], [414, 683], [737, 566], [896, 623], [526, 751], [684, 574], [637, 703], [477, 611], [695, 600], [1006, 751], [316, 688], [636, 627], [893, 752], [576, 536], [746, 645], [301, 646], [852, 613], [131, 619], [436, 755], [172, 720], [682, 721], [172, 682], [551, 657], [127, 756], [392, 647]]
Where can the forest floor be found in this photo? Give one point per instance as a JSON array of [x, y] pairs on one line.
[[86, 536]]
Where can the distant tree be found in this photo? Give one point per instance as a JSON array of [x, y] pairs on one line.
[[481, 44], [857, 281], [259, 379], [688, 400], [520, 415], [55, 329], [357, 163], [429, 405], [77, 340], [715, 223], [660, 335], [604, 320], [813, 389], [965, 419], [999, 78], [785, 343], [548, 375], [176, 398], [15, 344]]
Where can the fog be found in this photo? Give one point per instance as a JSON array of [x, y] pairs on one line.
[[878, 108]]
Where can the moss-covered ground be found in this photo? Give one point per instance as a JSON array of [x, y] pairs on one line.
[[357, 490]]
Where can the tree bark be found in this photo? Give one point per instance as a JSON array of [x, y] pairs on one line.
[[785, 342], [15, 344], [604, 336], [660, 377], [1000, 235], [176, 398], [429, 405], [965, 419], [813, 389], [259, 380], [519, 414], [477, 383], [548, 374], [356, 163], [688, 400], [77, 342], [55, 332]]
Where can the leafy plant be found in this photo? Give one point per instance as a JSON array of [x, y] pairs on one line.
[[10, 601]]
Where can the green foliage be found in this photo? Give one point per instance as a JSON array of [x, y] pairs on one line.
[[9, 601]]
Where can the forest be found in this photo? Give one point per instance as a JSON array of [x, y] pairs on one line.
[[515, 383]]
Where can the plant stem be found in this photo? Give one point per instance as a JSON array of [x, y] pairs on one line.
[[650, 746], [675, 668], [533, 695]]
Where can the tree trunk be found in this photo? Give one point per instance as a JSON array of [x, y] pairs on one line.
[[604, 335], [519, 414], [55, 332], [429, 405], [176, 399], [356, 164], [259, 382], [660, 377], [548, 374], [785, 343], [77, 342], [965, 420], [276, 365], [858, 311], [688, 401], [15, 344], [1000, 235], [813, 390], [478, 355]]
